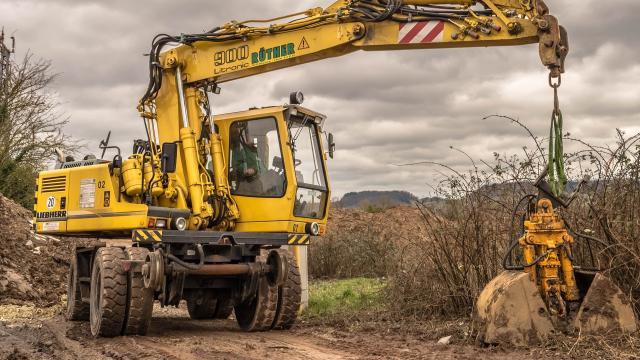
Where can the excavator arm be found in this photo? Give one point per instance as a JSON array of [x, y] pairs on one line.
[[242, 49], [197, 63]]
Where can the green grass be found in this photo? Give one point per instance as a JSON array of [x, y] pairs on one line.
[[328, 298]]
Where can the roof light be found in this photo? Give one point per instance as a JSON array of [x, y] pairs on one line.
[[296, 98]]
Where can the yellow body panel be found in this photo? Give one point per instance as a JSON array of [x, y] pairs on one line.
[[121, 213], [87, 202]]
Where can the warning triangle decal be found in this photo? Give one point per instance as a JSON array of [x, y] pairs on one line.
[[303, 44]]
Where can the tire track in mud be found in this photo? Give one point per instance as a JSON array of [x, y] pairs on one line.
[[169, 339], [188, 339], [173, 335]]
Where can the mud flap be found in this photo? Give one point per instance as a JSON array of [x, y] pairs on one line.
[[510, 310], [605, 309]]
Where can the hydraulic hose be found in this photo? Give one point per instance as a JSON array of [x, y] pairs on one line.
[[507, 257], [506, 260], [186, 265]]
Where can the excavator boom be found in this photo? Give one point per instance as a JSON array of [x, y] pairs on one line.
[[242, 49]]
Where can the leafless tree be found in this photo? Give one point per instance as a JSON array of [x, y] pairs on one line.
[[30, 126]]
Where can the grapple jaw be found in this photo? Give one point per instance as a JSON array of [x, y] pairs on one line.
[[604, 309], [510, 310]]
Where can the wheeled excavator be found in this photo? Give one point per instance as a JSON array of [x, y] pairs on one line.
[[208, 208]]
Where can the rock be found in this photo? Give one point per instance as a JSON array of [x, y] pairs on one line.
[[445, 340]]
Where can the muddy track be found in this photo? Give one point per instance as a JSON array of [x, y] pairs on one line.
[[173, 335]]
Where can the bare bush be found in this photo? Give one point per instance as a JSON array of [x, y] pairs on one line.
[[444, 272], [441, 267], [360, 243], [361, 253], [610, 209]]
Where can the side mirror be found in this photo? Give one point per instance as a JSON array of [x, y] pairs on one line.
[[332, 145], [169, 157]]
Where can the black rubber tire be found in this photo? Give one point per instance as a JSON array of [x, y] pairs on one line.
[[140, 306], [207, 305], [202, 305], [289, 295], [76, 309], [224, 308], [108, 293], [258, 314]]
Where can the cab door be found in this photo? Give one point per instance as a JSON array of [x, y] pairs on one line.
[[258, 162]]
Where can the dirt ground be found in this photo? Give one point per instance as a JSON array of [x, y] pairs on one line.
[[33, 268], [25, 335], [33, 271]]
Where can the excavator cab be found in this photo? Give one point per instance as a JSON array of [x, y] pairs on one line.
[[277, 168]]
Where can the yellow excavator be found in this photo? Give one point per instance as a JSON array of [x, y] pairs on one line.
[[208, 207]]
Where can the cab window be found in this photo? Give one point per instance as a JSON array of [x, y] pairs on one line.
[[256, 167], [312, 192]]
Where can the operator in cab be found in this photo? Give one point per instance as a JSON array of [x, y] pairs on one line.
[[246, 164]]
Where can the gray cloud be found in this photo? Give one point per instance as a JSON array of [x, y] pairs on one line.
[[385, 108]]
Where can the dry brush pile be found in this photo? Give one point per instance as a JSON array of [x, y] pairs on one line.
[[358, 242]]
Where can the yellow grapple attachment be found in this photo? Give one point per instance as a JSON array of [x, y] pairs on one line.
[[527, 307]]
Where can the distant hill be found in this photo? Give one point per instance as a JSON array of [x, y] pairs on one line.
[[378, 199], [497, 190]]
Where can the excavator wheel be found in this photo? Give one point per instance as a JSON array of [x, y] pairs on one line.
[[258, 313], [289, 295], [76, 309], [202, 305], [108, 292], [511, 310], [209, 305], [140, 307], [224, 306]]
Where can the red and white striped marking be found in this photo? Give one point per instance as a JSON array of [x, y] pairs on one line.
[[421, 32]]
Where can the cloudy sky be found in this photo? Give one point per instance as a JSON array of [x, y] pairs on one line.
[[384, 108]]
